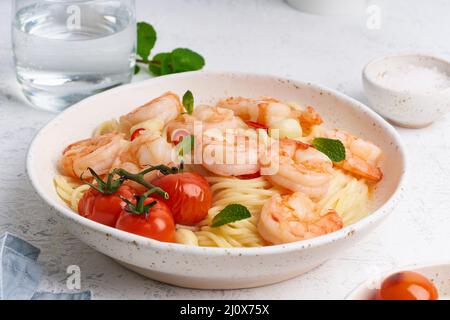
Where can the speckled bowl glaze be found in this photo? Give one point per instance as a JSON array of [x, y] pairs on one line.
[[215, 268], [406, 108], [438, 273]]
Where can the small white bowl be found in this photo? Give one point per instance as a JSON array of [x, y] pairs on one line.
[[330, 7], [438, 273], [406, 108], [215, 268]]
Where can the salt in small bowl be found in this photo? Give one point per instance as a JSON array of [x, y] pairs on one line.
[[409, 90]]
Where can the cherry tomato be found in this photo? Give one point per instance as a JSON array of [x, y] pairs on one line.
[[104, 208], [407, 285], [157, 224], [256, 125], [190, 196], [136, 133]]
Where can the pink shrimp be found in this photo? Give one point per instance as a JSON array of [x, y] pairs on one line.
[[293, 217]]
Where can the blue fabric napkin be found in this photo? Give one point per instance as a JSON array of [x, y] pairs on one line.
[[20, 273], [85, 295]]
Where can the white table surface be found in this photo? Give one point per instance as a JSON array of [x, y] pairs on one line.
[[266, 37]]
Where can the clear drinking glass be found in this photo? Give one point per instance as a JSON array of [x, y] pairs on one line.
[[66, 50]]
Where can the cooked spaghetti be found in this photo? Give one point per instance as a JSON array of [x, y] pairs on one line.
[[308, 196], [252, 194]]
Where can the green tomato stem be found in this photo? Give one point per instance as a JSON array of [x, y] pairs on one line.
[[108, 187], [139, 178]]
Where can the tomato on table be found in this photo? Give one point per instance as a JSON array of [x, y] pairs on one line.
[[149, 217], [407, 285]]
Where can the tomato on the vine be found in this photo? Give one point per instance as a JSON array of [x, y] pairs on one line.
[[104, 208], [190, 196], [149, 217], [104, 202], [187, 194]]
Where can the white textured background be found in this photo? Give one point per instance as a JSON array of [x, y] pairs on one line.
[[266, 37]]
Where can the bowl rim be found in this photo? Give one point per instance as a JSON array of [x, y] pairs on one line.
[[67, 213], [367, 77]]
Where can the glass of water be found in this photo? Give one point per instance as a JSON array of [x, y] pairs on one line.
[[67, 50]]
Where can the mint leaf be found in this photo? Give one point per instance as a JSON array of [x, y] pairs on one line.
[[188, 102], [186, 145], [231, 213], [137, 69], [179, 60], [186, 60], [332, 148], [160, 64], [146, 38]]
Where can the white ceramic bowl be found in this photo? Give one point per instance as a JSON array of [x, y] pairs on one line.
[[406, 108], [438, 273], [200, 267]]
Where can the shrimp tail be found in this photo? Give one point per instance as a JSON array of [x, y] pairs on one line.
[[362, 169], [330, 222]]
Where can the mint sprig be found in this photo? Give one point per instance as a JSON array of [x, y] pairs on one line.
[[231, 213], [188, 102], [176, 61], [146, 39], [332, 148]]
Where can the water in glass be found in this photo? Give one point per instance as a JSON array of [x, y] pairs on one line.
[[67, 50]]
